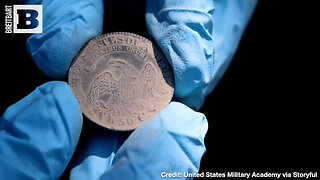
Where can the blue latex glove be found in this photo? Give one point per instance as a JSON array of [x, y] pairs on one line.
[[67, 26], [36, 143], [199, 38], [38, 135]]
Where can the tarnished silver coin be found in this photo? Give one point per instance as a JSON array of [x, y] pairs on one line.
[[121, 80]]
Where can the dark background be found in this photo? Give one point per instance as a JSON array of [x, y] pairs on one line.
[[263, 113]]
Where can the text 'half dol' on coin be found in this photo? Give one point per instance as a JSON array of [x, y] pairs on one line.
[[121, 80]]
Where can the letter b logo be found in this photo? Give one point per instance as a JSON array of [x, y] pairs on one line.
[[27, 19]]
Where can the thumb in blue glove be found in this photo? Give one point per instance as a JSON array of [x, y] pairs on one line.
[[170, 142], [199, 38]]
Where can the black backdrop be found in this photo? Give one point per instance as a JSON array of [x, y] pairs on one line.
[[262, 115]]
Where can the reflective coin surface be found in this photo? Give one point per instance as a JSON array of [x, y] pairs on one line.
[[121, 80]]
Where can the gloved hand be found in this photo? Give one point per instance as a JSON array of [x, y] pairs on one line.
[[39, 134]]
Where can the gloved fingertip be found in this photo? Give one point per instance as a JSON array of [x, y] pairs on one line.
[[194, 101], [171, 141], [66, 28], [98, 142], [180, 119], [44, 55], [91, 168]]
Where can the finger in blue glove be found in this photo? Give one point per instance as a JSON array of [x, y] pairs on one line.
[[199, 38], [67, 26], [39, 134], [171, 141]]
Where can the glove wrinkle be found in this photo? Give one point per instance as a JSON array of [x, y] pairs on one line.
[[91, 168], [198, 21], [184, 30], [66, 127], [181, 142]]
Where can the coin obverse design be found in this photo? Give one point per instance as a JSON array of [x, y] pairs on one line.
[[121, 80]]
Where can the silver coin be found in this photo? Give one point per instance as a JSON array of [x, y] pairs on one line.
[[121, 80]]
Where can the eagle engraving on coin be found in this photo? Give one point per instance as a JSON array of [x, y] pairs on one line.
[[121, 80], [123, 95]]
